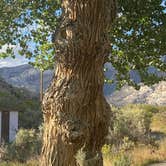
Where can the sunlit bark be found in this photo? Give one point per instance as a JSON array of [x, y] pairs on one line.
[[76, 114]]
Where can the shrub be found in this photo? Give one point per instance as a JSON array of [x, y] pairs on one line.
[[122, 160], [3, 151], [130, 141], [132, 123], [26, 145]]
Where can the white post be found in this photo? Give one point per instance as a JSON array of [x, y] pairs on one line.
[[13, 125]]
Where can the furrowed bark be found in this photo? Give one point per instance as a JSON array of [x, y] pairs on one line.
[[76, 114]]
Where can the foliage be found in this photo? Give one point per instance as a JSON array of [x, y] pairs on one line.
[[45, 59], [131, 123], [29, 29], [82, 158], [137, 37], [26, 145], [3, 151], [140, 155], [159, 122]]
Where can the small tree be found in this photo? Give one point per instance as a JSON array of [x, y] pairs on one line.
[[44, 61]]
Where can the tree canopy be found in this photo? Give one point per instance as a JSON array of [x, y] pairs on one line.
[[138, 35]]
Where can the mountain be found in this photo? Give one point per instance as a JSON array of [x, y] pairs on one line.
[[154, 95], [27, 77]]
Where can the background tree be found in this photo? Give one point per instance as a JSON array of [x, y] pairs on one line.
[[44, 61]]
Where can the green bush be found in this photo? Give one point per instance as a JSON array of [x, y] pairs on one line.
[[26, 145], [132, 123]]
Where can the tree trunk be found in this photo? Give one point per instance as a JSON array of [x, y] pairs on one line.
[[76, 114]]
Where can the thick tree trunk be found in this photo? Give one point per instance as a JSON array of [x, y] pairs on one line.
[[76, 114]]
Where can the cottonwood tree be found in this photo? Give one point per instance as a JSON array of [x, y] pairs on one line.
[[76, 115]]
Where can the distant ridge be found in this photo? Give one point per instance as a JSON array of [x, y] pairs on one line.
[[25, 76]]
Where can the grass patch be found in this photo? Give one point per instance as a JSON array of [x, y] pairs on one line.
[[159, 122], [142, 154], [28, 163]]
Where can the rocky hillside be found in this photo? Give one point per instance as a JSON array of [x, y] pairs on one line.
[[155, 95]]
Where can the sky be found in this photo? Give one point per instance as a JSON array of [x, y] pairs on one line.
[[10, 62]]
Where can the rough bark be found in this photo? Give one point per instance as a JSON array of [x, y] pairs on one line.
[[76, 114]]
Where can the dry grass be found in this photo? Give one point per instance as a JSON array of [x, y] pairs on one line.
[[144, 155], [159, 122], [28, 163], [107, 162]]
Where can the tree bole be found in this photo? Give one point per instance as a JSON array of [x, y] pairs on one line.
[[76, 114]]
